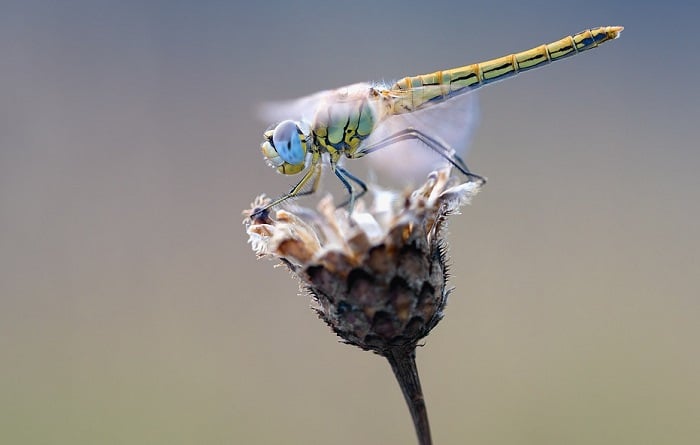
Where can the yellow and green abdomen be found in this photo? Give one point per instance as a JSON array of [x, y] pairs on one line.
[[448, 83]]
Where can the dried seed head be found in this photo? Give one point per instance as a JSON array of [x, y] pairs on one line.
[[377, 277]]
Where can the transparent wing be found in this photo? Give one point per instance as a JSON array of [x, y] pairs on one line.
[[451, 122], [305, 108]]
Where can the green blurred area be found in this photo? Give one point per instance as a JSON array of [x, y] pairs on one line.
[[132, 310]]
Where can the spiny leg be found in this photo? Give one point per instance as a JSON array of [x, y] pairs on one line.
[[353, 197], [314, 185], [432, 143], [314, 171], [340, 173]]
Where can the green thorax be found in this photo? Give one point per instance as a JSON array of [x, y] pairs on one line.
[[343, 124]]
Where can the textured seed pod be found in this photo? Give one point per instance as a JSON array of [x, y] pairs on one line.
[[378, 276]]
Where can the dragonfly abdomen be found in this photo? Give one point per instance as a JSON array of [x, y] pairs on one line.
[[445, 84]]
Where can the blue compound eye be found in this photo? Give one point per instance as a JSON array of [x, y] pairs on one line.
[[288, 142]]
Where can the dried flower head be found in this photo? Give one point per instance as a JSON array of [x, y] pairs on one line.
[[378, 276]]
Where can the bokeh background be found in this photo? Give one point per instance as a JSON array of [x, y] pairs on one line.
[[133, 311]]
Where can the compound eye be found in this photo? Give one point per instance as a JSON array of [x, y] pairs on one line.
[[288, 142]]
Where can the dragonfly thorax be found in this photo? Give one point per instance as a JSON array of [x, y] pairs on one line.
[[346, 119]]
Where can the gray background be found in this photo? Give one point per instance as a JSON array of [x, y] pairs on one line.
[[132, 310]]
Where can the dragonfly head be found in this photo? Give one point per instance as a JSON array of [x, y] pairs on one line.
[[285, 146]]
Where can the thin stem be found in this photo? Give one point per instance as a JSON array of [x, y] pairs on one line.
[[403, 363]]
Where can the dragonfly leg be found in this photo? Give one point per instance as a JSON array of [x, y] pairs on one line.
[[314, 184], [432, 143], [342, 174], [296, 191]]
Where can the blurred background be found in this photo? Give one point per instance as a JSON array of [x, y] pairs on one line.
[[133, 311]]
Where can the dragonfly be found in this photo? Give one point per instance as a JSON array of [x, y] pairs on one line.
[[432, 110]]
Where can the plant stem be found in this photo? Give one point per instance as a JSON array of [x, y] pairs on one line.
[[403, 363]]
